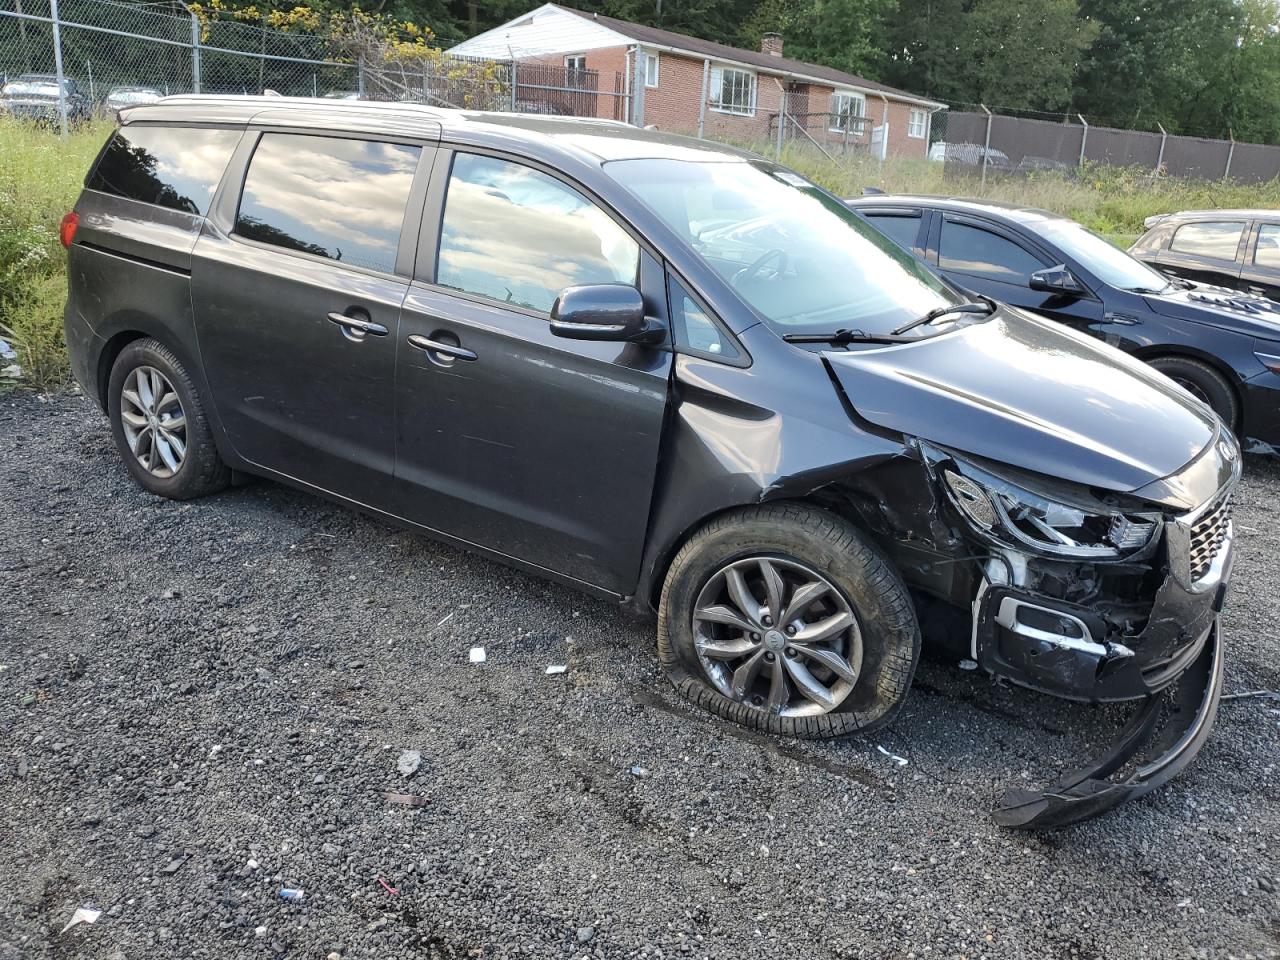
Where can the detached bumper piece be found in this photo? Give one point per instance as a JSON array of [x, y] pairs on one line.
[[1189, 708]]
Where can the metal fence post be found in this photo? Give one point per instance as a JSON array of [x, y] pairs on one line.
[[1084, 137], [782, 113], [1164, 136], [57, 65], [1231, 152], [515, 85], [195, 54], [986, 146], [702, 105]]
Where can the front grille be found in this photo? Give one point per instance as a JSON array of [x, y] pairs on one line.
[[1207, 534]]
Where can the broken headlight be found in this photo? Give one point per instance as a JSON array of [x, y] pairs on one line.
[[1077, 527]]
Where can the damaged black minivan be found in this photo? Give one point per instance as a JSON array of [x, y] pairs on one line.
[[673, 375]]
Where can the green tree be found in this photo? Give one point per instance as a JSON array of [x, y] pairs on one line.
[[849, 35]]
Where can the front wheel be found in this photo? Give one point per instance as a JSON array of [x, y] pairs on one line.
[[786, 619], [1204, 383]]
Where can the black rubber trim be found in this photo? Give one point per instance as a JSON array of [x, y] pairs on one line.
[[1087, 793], [97, 248]]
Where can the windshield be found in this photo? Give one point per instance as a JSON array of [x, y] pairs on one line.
[[29, 88], [797, 255], [1108, 263]]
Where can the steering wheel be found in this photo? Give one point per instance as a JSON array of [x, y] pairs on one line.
[[757, 267]]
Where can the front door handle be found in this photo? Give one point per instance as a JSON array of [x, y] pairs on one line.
[[444, 349], [357, 326]]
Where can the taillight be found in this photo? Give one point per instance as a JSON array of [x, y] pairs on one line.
[[67, 231]]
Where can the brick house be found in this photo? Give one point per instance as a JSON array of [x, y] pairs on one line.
[[671, 81]]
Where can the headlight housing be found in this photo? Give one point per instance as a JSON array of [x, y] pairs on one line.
[[1076, 527]]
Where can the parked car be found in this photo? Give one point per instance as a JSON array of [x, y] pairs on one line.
[[970, 155], [1221, 347], [1239, 249], [507, 332], [1043, 165], [120, 97], [34, 96]]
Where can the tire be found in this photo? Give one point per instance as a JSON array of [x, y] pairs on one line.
[[1204, 383], [147, 369], [796, 540]]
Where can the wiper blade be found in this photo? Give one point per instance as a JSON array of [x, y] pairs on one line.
[[985, 306], [840, 337]]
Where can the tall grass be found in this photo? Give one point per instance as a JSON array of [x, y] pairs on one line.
[[41, 174], [40, 178]]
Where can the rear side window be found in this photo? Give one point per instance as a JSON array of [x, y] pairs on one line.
[[1217, 240], [970, 249], [517, 235], [174, 167], [328, 196], [902, 229], [1268, 252]]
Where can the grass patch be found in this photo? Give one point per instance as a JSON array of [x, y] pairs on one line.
[[41, 176]]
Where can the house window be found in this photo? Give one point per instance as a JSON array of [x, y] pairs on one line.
[[733, 91], [650, 69], [576, 64], [917, 123], [846, 110]]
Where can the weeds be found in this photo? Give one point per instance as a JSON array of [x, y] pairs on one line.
[[41, 176]]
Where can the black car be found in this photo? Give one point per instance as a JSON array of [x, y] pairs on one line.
[[1239, 249], [1223, 347], [34, 96], [673, 375]]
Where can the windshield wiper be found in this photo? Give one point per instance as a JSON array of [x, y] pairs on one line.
[[841, 337], [984, 306]]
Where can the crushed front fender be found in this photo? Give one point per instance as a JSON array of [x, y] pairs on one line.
[[1189, 708]]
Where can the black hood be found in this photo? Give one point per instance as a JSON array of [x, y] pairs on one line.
[[1220, 307], [1028, 392]]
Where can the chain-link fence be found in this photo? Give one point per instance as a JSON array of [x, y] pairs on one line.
[[990, 144]]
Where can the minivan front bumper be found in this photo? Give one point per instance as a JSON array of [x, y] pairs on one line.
[[1189, 709]]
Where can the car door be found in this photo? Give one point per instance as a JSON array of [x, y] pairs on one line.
[[987, 258], [538, 448], [297, 290], [1261, 272], [1206, 251]]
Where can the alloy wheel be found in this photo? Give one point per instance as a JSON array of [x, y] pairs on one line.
[[1194, 389], [154, 423], [777, 636]]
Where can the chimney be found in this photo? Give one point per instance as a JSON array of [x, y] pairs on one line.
[[771, 43]]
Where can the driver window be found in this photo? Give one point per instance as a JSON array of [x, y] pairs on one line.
[[519, 236], [969, 249]]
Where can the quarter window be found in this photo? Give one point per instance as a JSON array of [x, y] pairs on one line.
[[969, 249], [517, 235], [1268, 252], [847, 109], [174, 167], [733, 91], [327, 196], [1217, 240], [694, 329], [917, 123]]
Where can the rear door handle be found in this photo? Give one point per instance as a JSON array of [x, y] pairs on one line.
[[444, 349], [357, 326]]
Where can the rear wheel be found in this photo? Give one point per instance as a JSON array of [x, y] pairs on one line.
[[159, 424], [784, 618], [1204, 383]]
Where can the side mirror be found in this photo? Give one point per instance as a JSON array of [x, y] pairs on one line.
[[603, 311], [1056, 280]]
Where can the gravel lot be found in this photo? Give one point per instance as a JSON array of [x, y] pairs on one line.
[[203, 703]]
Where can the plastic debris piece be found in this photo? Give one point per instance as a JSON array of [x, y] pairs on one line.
[[388, 887], [638, 771], [82, 915], [1249, 694], [478, 655], [557, 668], [900, 761], [290, 893], [968, 664], [6, 351], [259, 932], [174, 865], [409, 762], [405, 799], [446, 619]]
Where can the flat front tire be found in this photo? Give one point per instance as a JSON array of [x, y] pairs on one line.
[[159, 424], [786, 619]]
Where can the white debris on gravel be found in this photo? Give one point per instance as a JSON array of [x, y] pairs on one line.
[[900, 761], [409, 762], [557, 668], [82, 915], [478, 655]]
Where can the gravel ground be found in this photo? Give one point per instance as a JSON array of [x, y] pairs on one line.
[[201, 704]]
